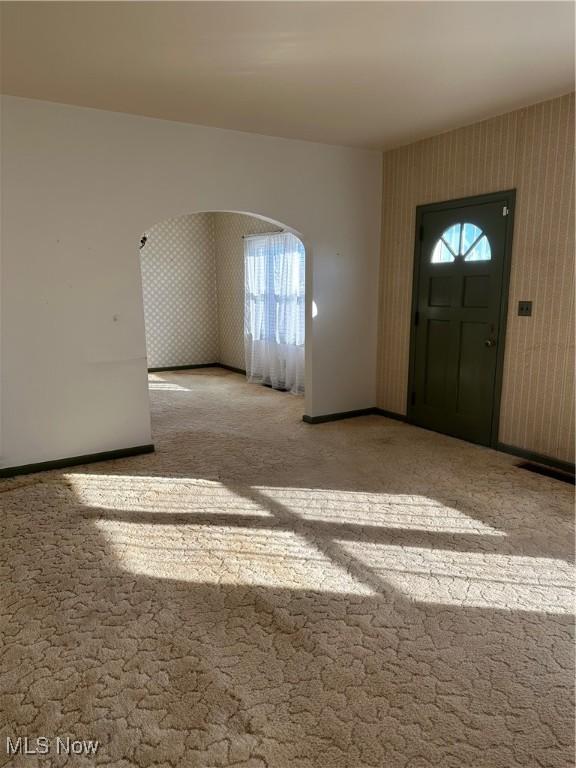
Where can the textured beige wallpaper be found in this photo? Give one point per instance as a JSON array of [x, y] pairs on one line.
[[531, 150], [229, 228], [179, 287]]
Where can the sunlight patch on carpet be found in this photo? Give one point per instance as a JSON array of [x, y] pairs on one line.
[[471, 579], [227, 555], [385, 510], [169, 495]]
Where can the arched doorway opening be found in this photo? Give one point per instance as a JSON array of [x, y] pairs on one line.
[[225, 289]]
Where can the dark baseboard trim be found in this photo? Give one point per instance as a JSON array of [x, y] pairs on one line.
[[351, 414], [184, 367], [391, 414], [231, 368], [197, 365], [338, 416], [539, 458], [72, 461]]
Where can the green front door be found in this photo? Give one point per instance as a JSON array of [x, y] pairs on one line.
[[458, 332]]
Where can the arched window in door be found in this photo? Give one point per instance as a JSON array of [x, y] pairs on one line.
[[464, 241]]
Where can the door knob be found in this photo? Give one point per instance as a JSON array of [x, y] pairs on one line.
[[490, 342]]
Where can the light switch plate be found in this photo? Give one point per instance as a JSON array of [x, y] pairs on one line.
[[524, 308]]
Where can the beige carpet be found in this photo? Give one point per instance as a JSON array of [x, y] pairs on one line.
[[265, 593]]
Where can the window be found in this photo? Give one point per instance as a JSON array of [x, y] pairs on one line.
[[274, 317], [464, 241]]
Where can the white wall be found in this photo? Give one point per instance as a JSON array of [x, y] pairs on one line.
[[79, 186]]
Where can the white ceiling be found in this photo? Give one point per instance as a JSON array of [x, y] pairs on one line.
[[375, 74]]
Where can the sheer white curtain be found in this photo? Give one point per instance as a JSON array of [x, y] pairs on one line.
[[274, 270]]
